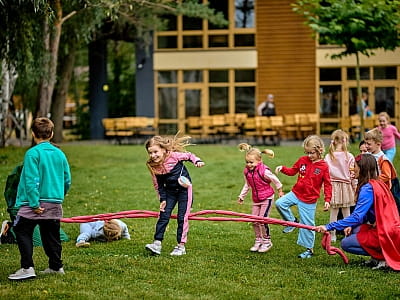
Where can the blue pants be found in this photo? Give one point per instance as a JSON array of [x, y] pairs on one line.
[[177, 196], [350, 243], [390, 153], [306, 211]]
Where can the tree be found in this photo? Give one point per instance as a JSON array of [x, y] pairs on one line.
[[359, 26], [144, 16]]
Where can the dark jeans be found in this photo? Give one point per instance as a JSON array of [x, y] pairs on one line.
[[178, 196], [50, 234]]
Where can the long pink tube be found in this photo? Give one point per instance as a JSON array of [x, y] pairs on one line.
[[238, 217]]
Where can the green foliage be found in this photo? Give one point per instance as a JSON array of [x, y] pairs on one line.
[[218, 264], [359, 26]]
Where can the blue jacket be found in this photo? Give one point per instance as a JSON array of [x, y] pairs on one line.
[[364, 211]]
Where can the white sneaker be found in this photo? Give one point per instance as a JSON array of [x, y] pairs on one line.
[[51, 271], [22, 274], [381, 265], [256, 245], [82, 244], [178, 250], [154, 248], [265, 245]]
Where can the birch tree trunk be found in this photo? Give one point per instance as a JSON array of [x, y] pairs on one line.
[[8, 78]]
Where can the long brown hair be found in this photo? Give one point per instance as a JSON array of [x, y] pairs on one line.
[[368, 169]]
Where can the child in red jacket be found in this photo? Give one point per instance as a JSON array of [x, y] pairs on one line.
[[313, 173]]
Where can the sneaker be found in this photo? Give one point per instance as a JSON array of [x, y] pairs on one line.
[[51, 271], [82, 244], [381, 265], [306, 254], [178, 250], [265, 246], [256, 245], [370, 263], [154, 248], [289, 229], [23, 274]]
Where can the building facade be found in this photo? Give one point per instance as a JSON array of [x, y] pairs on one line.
[[201, 70]]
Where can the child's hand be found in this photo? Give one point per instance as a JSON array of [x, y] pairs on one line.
[[320, 228], [240, 201], [347, 231], [38, 210], [199, 164], [281, 194], [326, 206], [278, 169], [162, 205]]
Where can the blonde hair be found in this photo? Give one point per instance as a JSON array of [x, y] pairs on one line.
[[385, 115], [112, 230], [314, 142], [255, 151], [374, 135], [169, 143], [338, 137]]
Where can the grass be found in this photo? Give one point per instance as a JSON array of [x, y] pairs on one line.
[[218, 264]]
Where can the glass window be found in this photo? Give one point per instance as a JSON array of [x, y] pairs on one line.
[[192, 76], [244, 76], [219, 6], [220, 40], [330, 99], [167, 42], [167, 101], [192, 103], [192, 23], [218, 75], [384, 100], [364, 73], [218, 100], [354, 105], [244, 40], [330, 74], [244, 13], [385, 73], [192, 41], [167, 77], [245, 100]]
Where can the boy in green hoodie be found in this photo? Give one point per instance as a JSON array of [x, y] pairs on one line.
[[45, 179]]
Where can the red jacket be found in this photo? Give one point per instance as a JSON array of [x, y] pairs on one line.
[[382, 240], [312, 175]]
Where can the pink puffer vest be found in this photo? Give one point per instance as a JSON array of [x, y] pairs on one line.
[[261, 188]]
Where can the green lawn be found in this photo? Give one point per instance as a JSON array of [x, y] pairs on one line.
[[218, 264]]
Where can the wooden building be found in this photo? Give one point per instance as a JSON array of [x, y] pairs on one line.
[[201, 70]]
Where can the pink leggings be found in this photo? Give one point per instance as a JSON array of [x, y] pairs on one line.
[[261, 209]]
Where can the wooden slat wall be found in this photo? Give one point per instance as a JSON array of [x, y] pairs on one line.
[[286, 58]]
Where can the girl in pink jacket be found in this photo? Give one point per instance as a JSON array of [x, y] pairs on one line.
[[390, 134], [258, 178]]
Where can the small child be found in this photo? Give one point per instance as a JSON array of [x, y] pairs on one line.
[[172, 182], [105, 231], [390, 134], [341, 169], [373, 140], [44, 182], [313, 173], [258, 178], [362, 147]]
